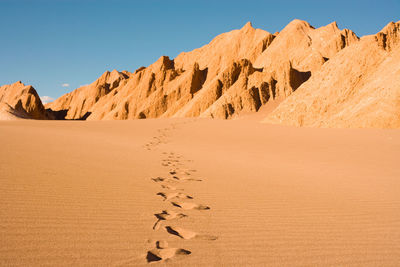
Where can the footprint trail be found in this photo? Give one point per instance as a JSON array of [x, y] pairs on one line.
[[173, 186]]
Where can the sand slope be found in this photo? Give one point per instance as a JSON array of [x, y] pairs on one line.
[[90, 193], [9, 113]]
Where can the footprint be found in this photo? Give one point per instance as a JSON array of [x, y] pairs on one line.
[[162, 179], [174, 172], [162, 252], [168, 196], [187, 234], [189, 206], [158, 179], [168, 163], [186, 179], [189, 170], [170, 187], [166, 215]]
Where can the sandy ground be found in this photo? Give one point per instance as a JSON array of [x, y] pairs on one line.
[[82, 193]]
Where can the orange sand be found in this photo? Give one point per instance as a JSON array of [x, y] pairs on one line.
[[81, 193]]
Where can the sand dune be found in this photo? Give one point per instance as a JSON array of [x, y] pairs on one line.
[[248, 194]]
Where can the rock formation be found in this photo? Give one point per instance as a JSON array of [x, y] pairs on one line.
[[78, 103], [21, 101], [358, 87], [217, 80], [323, 77]]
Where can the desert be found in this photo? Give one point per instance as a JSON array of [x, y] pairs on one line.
[[277, 195], [254, 149]]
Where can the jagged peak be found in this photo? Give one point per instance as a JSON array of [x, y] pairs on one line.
[[114, 72], [330, 28], [164, 59], [19, 83], [344, 31], [390, 26], [139, 69], [110, 77], [333, 25], [104, 75], [389, 36], [102, 78], [297, 23], [126, 72], [247, 26], [163, 63]]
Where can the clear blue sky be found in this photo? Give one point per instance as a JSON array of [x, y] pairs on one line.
[[50, 43]]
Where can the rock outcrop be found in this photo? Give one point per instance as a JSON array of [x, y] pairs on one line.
[[77, 105], [21, 101], [188, 85], [217, 80], [358, 87], [305, 48]]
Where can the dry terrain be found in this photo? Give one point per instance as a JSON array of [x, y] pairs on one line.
[[187, 192]]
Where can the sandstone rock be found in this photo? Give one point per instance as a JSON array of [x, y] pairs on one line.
[[358, 87], [192, 84], [168, 87], [323, 77], [22, 101], [78, 103], [246, 43]]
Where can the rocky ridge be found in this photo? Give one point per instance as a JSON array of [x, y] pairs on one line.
[[323, 77]]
